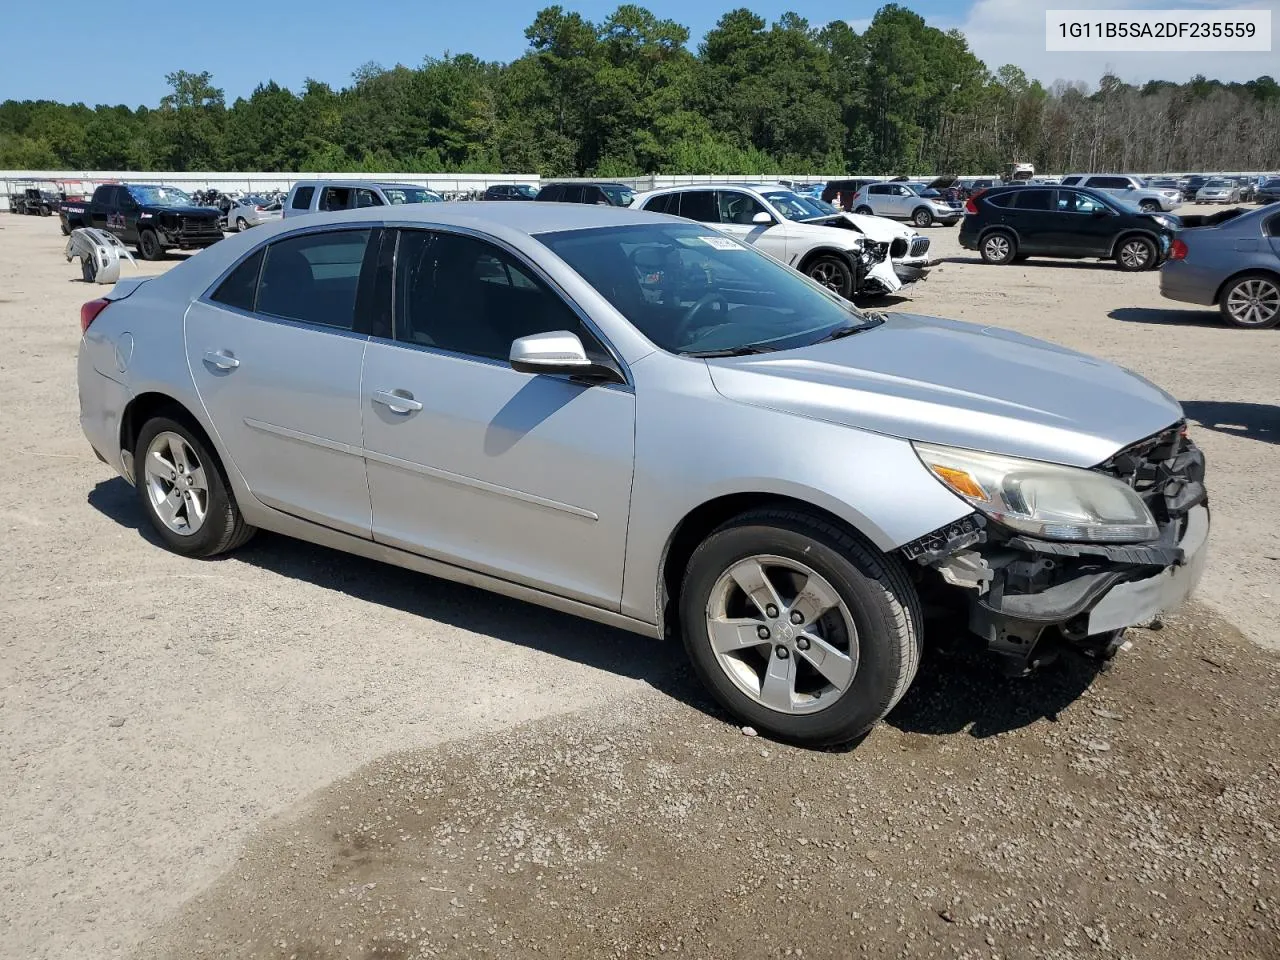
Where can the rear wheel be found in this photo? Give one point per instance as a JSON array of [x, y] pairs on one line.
[[184, 491], [998, 247], [864, 211], [922, 217], [1252, 302], [833, 273], [149, 245], [241, 225], [1136, 253], [798, 627]]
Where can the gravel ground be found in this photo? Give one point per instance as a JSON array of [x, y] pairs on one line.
[[160, 718]]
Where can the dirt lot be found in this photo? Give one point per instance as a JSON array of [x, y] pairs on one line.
[[268, 754]]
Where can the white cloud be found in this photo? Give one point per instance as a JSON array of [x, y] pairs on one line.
[[1012, 31]]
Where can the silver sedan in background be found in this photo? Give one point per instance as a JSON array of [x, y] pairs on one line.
[[640, 420], [253, 211], [1219, 191], [1234, 265]]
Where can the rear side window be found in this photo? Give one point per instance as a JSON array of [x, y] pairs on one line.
[[553, 192], [572, 194], [879, 190], [699, 205], [241, 285], [661, 203], [1034, 200], [302, 199], [313, 278], [1272, 226]]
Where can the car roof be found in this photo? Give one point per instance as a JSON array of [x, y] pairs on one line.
[[362, 183], [586, 183], [496, 218]]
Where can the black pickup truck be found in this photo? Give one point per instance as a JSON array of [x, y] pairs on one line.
[[155, 218]]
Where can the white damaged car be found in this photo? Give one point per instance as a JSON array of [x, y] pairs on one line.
[[832, 248]]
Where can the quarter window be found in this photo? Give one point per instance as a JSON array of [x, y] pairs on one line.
[[1272, 227], [467, 296], [302, 199], [313, 278], [663, 203], [241, 284], [1002, 199]]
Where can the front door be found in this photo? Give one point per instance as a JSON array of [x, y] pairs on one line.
[[276, 352], [523, 477], [1082, 227], [737, 211]]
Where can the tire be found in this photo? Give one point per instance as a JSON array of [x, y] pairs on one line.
[[241, 225], [922, 217], [222, 528], [66, 231], [833, 273], [870, 635], [1149, 206], [1134, 254], [149, 246], [998, 247], [1252, 301], [864, 211]]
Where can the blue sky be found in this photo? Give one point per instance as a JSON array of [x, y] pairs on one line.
[[242, 42]]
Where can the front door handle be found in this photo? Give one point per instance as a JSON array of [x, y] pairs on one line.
[[397, 401], [223, 361]]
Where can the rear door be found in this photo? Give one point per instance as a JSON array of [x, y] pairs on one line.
[[275, 351], [519, 476], [1032, 213], [881, 200]]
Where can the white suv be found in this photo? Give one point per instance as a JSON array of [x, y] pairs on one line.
[[772, 218], [903, 201]]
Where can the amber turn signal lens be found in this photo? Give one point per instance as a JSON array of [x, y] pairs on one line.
[[960, 482]]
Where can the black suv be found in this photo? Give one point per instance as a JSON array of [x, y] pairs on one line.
[[1007, 224], [612, 194], [510, 191]]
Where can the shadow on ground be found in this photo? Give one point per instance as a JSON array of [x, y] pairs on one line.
[[958, 688], [1253, 421], [1164, 317]]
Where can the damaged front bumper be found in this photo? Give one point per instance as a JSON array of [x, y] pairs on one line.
[[1019, 587]]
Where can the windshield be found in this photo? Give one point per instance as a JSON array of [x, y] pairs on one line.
[[1161, 184], [1217, 183], [399, 195], [793, 206], [618, 196], [694, 291], [160, 196]]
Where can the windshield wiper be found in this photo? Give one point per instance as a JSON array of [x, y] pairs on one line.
[[743, 351], [850, 331]]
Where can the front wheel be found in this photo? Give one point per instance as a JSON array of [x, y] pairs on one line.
[[1136, 253], [149, 245], [241, 225], [798, 627], [1149, 206], [833, 273], [184, 491], [1252, 302], [922, 217]]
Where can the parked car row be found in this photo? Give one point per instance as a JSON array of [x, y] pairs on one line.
[[643, 420]]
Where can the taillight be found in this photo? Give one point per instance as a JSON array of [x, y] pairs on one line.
[[970, 206], [89, 312], [258, 208], [1178, 251]]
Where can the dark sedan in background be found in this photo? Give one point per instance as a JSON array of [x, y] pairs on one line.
[[1234, 264], [1269, 191]]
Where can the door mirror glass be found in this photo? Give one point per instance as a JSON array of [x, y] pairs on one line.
[[762, 218], [558, 353], [1101, 212]]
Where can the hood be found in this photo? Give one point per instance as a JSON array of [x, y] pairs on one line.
[[845, 239], [183, 211], [947, 382], [879, 229]]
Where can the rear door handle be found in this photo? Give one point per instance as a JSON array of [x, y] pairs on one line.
[[397, 401], [223, 361]]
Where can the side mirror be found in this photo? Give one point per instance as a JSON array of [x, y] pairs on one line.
[[1101, 212], [762, 218], [559, 353]]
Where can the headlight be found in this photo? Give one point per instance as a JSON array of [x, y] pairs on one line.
[[1044, 500], [1163, 221]]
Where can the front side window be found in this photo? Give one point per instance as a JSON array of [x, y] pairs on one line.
[[1071, 202], [313, 278], [694, 291], [793, 206], [335, 198], [468, 296], [737, 207], [367, 198]]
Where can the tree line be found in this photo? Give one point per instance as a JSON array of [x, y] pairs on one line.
[[628, 96]]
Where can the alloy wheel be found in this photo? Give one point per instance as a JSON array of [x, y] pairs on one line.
[[782, 634], [997, 247], [828, 274], [1254, 302], [176, 483], [1135, 254]]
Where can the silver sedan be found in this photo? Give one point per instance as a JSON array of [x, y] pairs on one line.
[[639, 420], [1234, 265]]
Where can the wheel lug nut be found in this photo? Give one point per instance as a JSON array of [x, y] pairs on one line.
[[781, 651], [771, 611], [802, 643], [762, 633], [797, 616]]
